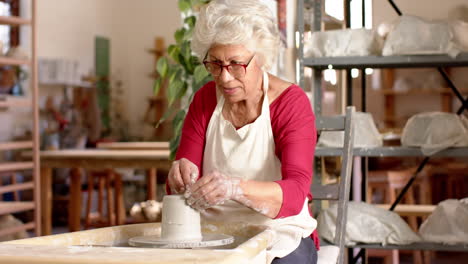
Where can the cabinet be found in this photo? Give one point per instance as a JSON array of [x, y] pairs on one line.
[[8, 169], [361, 63]]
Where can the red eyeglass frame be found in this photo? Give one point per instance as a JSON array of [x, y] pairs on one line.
[[226, 66]]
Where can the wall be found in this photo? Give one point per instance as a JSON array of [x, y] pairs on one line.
[[66, 29], [431, 9], [134, 29]]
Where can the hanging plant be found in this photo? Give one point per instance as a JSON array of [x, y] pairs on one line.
[[182, 70]]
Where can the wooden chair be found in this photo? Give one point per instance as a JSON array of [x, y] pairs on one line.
[[390, 183], [114, 199], [337, 192]]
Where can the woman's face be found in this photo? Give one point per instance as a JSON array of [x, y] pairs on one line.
[[235, 85]]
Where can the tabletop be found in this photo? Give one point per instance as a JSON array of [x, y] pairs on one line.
[[141, 145]]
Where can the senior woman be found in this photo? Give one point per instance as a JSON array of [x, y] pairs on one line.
[[248, 140]]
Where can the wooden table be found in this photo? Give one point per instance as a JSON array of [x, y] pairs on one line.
[[88, 159], [145, 145]]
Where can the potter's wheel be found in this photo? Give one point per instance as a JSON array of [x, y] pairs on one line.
[[208, 240]]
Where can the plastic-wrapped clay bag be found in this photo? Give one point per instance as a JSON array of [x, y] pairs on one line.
[[346, 42], [435, 131], [365, 134], [367, 224], [413, 35], [448, 223], [460, 34]]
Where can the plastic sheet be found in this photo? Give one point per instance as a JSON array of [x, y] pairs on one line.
[[435, 131], [448, 223], [365, 134], [367, 224], [460, 34], [413, 35], [346, 42]]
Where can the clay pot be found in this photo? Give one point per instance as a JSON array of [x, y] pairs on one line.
[[179, 220]]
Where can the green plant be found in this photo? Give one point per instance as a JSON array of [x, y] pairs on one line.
[[183, 72]]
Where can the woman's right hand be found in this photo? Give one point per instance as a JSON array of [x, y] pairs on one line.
[[182, 174]]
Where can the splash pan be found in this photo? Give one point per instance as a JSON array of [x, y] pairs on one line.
[[110, 245]]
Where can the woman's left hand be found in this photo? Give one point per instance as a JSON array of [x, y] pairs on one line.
[[213, 189]]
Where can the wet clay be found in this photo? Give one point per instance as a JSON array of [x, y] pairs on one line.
[[179, 220]]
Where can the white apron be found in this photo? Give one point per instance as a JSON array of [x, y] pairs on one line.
[[249, 153]]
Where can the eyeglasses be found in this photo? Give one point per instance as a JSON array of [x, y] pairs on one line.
[[237, 70]]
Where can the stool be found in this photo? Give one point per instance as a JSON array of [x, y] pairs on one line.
[[115, 205], [449, 180], [391, 183]]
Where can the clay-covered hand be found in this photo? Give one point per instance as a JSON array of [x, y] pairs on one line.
[[182, 174], [213, 189]]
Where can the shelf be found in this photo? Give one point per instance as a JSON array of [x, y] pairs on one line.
[[410, 61], [15, 229], [15, 166], [13, 101], [15, 207], [16, 145], [27, 103], [16, 187], [14, 21], [416, 246], [391, 152], [12, 61]]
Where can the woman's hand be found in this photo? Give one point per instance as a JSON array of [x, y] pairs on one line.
[[213, 189], [216, 188], [182, 175]]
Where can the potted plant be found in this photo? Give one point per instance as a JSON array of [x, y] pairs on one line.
[[181, 70]]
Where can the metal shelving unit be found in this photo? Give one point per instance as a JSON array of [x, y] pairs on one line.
[[9, 168], [347, 63]]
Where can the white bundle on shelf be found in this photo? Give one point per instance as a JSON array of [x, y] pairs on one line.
[[346, 42], [367, 224], [448, 223], [412, 35], [365, 134], [460, 34], [435, 131]]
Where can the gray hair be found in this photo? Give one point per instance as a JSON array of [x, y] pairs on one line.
[[246, 22]]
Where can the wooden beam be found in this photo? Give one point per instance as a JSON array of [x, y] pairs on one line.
[[14, 21], [16, 145], [16, 187], [12, 61], [16, 166], [15, 207]]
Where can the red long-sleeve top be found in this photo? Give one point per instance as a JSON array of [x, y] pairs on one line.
[[293, 125]]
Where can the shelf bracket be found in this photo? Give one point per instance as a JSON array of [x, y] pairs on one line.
[[395, 7]]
